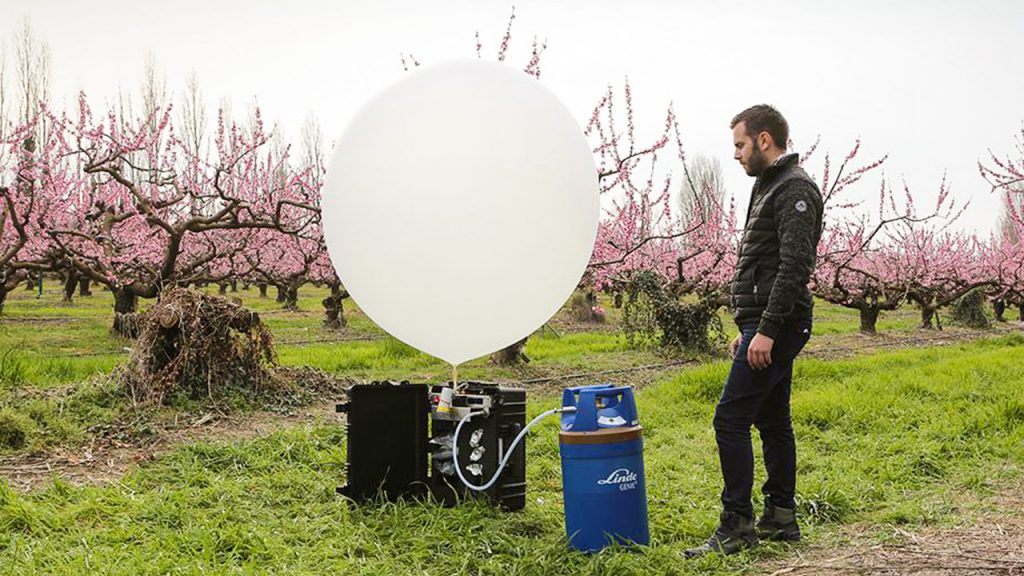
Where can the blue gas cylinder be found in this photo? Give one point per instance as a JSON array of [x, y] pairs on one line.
[[602, 450]]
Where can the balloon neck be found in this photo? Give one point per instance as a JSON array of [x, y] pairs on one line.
[[455, 376]]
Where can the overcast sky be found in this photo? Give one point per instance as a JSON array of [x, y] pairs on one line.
[[933, 83]]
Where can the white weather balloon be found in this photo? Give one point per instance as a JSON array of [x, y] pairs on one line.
[[461, 207]]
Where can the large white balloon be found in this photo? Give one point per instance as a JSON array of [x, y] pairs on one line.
[[461, 208]]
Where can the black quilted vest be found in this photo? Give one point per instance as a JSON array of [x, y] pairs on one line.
[[757, 262]]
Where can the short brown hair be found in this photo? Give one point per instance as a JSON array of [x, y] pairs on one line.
[[764, 118]]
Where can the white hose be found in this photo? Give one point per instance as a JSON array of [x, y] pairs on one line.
[[508, 454]]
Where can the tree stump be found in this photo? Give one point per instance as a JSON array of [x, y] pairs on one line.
[[512, 355]]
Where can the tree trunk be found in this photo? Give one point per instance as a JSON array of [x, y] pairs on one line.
[[8, 283], [70, 285], [926, 319], [263, 289], [234, 285], [291, 300], [618, 299], [83, 287], [282, 294], [1020, 312], [334, 313], [868, 320], [511, 355], [999, 308], [125, 320], [222, 288]]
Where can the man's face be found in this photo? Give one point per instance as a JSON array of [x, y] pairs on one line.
[[747, 151]]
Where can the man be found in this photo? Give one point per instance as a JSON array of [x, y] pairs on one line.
[[772, 308]]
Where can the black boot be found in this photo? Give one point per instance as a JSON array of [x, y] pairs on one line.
[[734, 533], [778, 524]]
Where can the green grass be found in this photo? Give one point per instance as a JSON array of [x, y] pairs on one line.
[[54, 358], [888, 439], [390, 359], [32, 422], [62, 417], [832, 319], [50, 344], [64, 343]]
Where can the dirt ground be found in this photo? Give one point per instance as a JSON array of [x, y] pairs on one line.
[[992, 544], [835, 346]]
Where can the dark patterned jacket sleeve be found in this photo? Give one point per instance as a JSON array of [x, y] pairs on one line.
[[798, 222]]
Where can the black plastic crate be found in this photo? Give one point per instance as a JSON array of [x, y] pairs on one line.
[[506, 419], [387, 440]]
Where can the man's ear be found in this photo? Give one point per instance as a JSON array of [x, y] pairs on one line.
[[764, 141]]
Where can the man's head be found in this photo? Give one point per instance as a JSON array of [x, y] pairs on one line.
[[759, 135]]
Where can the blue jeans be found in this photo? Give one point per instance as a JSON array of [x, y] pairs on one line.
[[759, 398]]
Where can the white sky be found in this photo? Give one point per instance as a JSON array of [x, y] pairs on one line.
[[934, 83]]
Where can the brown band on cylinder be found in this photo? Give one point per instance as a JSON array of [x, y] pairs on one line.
[[602, 436]]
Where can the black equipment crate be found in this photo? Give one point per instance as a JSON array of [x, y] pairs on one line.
[[390, 451], [387, 440], [506, 419]]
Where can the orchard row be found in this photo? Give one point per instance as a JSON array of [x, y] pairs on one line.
[[138, 204]]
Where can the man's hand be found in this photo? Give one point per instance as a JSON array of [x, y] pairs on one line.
[[735, 345], [759, 353]]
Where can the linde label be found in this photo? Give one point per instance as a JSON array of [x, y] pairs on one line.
[[625, 479]]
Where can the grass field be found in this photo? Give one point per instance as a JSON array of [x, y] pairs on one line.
[[888, 439], [48, 344], [45, 343]]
